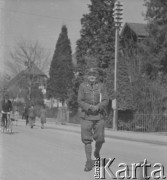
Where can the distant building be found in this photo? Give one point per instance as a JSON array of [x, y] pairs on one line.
[[27, 77], [135, 31], [130, 35], [33, 73]]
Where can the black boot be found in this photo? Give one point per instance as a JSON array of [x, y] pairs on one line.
[[89, 163], [96, 155], [88, 166], [98, 147]]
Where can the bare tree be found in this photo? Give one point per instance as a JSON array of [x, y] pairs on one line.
[[24, 54], [4, 78]]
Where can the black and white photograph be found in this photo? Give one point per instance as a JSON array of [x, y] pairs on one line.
[[83, 89]]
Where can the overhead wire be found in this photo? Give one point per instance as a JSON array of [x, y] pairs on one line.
[[38, 15], [15, 45]]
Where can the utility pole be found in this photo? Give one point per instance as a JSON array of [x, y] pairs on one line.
[[118, 13]]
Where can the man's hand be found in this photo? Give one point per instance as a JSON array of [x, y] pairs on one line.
[[95, 108]]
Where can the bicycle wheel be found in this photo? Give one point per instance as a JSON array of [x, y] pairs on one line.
[[11, 127], [1, 126], [4, 126]]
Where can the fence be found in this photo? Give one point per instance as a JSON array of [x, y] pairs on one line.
[[145, 123], [139, 122]]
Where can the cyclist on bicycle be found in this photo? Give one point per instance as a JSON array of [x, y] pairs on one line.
[[6, 109]]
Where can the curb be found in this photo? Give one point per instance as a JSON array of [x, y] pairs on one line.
[[138, 140], [119, 135], [64, 127]]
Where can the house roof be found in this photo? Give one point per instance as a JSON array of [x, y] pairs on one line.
[[138, 28], [33, 70]]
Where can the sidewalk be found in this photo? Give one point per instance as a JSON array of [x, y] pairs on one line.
[[153, 138]]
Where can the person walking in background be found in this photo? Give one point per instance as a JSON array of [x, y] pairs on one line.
[[31, 116], [43, 116], [93, 100], [26, 114], [16, 116]]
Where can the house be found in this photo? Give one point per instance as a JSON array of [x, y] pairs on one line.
[[26, 78], [135, 31], [130, 35]]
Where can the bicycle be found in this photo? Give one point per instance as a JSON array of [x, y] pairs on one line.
[[7, 124]]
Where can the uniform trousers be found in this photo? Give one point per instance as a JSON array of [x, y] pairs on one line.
[[92, 130]]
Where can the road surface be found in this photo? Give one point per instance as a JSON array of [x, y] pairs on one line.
[[51, 154]]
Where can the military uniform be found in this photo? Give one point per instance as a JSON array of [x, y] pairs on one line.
[[92, 121], [87, 96]]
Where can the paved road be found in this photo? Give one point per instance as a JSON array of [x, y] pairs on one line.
[[50, 154]]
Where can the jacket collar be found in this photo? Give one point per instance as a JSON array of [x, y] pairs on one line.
[[92, 87]]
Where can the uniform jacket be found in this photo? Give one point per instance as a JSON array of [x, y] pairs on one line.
[[6, 106], [92, 95]]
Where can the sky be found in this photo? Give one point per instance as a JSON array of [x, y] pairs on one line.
[[41, 20]]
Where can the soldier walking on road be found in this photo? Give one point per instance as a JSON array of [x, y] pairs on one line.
[[93, 99]]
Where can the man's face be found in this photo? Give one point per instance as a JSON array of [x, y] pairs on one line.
[[92, 78]]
